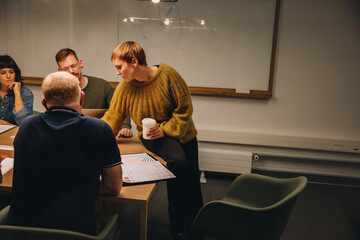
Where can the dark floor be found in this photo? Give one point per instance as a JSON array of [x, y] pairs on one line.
[[323, 211], [328, 209]]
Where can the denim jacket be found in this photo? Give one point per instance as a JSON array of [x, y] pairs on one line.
[[7, 103]]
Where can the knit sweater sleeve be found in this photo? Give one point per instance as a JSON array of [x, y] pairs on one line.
[[180, 124], [117, 110]]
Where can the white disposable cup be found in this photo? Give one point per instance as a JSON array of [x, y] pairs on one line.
[[147, 124]]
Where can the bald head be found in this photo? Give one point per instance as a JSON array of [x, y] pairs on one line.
[[61, 89]]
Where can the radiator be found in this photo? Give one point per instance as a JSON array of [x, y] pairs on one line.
[[237, 158], [224, 160], [296, 142]]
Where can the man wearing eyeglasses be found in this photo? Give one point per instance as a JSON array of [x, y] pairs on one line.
[[98, 92]]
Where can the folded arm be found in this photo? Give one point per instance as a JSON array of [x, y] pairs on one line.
[[111, 180]]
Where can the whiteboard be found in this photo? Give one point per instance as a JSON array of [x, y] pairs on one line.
[[211, 43]]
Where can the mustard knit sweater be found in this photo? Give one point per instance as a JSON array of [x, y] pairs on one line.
[[165, 97]]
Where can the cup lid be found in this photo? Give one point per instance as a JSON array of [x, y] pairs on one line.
[[148, 121]]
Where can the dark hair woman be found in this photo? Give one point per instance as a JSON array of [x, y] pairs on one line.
[[16, 100]]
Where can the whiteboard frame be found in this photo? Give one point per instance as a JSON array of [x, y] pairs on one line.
[[257, 94]]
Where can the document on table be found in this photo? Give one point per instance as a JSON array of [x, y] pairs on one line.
[[4, 128], [7, 147], [143, 168], [6, 165]]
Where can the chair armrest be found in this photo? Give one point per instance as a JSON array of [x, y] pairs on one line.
[[216, 218], [111, 229], [224, 220], [3, 215]]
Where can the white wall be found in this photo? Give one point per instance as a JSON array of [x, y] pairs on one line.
[[36, 30], [316, 82]]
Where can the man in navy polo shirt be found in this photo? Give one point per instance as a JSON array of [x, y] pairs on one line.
[[62, 161]]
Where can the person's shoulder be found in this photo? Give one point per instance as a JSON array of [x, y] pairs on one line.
[[167, 69], [96, 79], [97, 125], [98, 82], [164, 66], [30, 121], [25, 89], [169, 72], [96, 122]]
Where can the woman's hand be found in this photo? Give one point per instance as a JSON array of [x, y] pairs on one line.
[[125, 133], [155, 132], [15, 86], [19, 104]]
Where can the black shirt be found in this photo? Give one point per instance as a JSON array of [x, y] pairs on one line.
[[58, 158]]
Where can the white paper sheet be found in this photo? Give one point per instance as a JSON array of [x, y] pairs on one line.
[[6, 165], [6, 147], [141, 168], [136, 158], [4, 128]]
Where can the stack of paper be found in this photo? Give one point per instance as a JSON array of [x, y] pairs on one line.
[[142, 168]]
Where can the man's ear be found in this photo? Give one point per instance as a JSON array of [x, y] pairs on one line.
[[82, 97], [81, 63], [43, 102]]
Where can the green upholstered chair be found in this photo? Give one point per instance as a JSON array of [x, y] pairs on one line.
[[109, 231], [254, 207]]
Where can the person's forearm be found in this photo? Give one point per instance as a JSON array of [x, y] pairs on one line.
[[19, 103], [104, 190]]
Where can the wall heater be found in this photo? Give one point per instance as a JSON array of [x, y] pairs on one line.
[[238, 158], [224, 160]]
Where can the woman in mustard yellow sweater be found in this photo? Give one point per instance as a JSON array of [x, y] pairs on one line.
[[159, 92]]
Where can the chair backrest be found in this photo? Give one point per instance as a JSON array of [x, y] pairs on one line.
[[254, 207], [9, 232], [259, 191]]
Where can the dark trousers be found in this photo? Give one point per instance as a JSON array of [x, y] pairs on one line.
[[184, 192]]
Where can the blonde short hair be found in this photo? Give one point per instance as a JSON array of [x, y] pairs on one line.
[[126, 51], [61, 89]]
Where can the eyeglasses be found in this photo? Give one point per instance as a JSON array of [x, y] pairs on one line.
[[72, 67]]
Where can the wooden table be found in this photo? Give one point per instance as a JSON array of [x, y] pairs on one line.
[[138, 194]]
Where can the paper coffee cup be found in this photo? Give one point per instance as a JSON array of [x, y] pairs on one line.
[[147, 124]]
